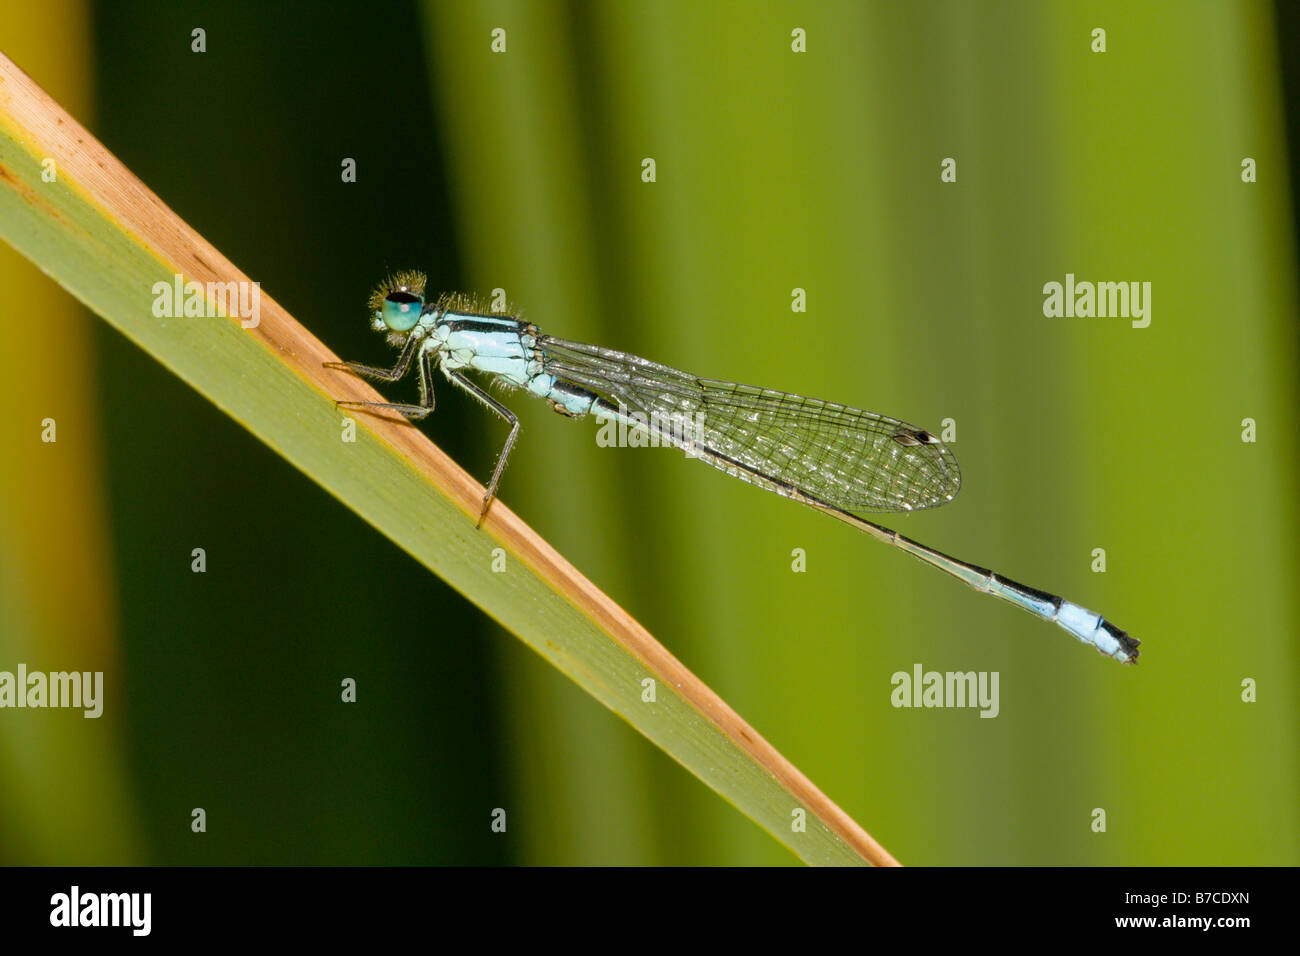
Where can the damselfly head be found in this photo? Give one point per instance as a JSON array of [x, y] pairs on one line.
[[397, 302]]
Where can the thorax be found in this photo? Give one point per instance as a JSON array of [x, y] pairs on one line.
[[493, 344]]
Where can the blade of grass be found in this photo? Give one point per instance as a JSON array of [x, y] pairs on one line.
[[108, 240]]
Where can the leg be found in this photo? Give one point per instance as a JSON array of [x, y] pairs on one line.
[[382, 374], [412, 412], [459, 379]]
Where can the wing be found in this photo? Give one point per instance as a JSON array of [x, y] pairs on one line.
[[855, 460]]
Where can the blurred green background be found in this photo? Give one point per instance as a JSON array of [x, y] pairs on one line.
[[775, 170]]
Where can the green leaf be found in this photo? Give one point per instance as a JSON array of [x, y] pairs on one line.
[[76, 212]]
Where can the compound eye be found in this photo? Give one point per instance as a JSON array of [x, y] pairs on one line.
[[401, 310]]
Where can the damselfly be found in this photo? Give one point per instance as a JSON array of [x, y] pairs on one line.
[[840, 460]]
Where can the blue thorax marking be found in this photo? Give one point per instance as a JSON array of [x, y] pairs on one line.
[[505, 347]]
